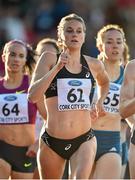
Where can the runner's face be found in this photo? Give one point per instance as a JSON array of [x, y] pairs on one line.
[[73, 35], [15, 57], [113, 45]]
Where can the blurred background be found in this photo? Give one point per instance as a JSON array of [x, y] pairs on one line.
[[32, 20]]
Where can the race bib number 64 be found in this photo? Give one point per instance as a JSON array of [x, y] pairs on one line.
[[13, 108]]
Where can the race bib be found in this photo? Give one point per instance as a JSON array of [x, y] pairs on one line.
[[111, 103], [73, 94], [13, 108]]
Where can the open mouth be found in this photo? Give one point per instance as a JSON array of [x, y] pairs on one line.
[[115, 52], [74, 41], [15, 65]]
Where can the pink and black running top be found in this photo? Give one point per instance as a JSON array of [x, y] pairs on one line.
[[14, 106]]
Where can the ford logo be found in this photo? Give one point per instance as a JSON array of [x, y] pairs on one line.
[[10, 98], [113, 87], [75, 83]]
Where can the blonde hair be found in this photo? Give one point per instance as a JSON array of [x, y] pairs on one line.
[[100, 37], [109, 27], [126, 54], [65, 19]]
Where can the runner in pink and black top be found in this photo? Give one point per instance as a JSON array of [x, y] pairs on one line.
[[17, 115]]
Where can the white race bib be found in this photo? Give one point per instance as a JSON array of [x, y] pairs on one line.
[[13, 108], [73, 94], [111, 103]]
